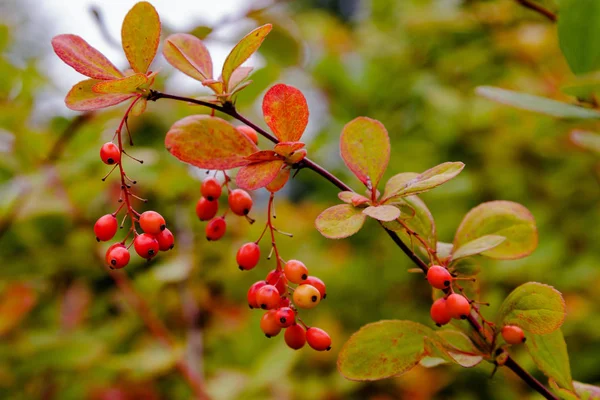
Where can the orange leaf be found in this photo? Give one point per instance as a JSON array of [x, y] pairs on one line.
[[82, 98], [257, 175], [263, 155], [122, 85], [287, 149], [188, 54], [286, 112], [85, 59], [280, 181], [208, 142], [140, 35], [243, 50], [17, 301]]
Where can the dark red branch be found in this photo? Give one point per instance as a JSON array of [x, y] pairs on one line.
[[538, 8]]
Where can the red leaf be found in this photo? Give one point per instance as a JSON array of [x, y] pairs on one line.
[[257, 175], [262, 155], [208, 142], [280, 181], [140, 35], [188, 54], [286, 112], [85, 59], [83, 98], [286, 149]]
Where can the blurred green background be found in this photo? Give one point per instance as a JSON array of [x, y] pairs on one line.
[[67, 332]]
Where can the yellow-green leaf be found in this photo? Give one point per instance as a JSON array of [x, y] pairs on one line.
[[396, 183], [429, 179], [243, 50], [85, 59], [382, 213], [188, 54], [549, 352], [140, 35], [477, 246], [417, 217], [125, 85], [340, 221], [83, 98]]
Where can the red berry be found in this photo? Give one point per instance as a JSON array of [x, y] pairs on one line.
[[318, 339], [110, 153], [252, 303], [267, 297], [286, 317], [277, 279], [240, 202], [248, 132], [316, 282], [439, 277], [211, 189], [166, 240], [284, 301], [117, 256], [458, 306], [512, 334], [206, 209], [295, 337], [248, 256], [306, 296], [146, 245], [295, 271], [268, 324], [215, 229], [439, 312], [106, 227], [152, 222]]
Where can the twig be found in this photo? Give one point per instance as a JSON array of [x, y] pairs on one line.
[[538, 8]]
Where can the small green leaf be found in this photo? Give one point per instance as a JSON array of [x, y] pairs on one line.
[[397, 182], [586, 140], [478, 246], [382, 213], [417, 217], [140, 35], [564, 394], [243, 50], [549, 352], [383, 349], [583, 389], [365, 148], [188, 54], [535, 307], [579, 20], [536, 104], [460, 348], [500, 218], [85, 59], [429, 179], [258, 175], [583, 87], [286, 112], [82, 97], [340, 221], [122, 85]]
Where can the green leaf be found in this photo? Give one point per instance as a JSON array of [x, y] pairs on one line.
[[383, 349], [583, 389], [549, 352], [243, 50], [417, 217], [188, 54], [564, 394], [208, 142], [429, 179], [500, 218], [536, 104], [257, 175], [286, 112], [535, 307], [382, 213], [85, 59], [365, 148], [122, 85], [397, 182], [578, 24], [583, 88], [340, 221], [586, 140], [460, 348], [82, 97], [478, 246]]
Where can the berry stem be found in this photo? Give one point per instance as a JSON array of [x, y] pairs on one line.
[[272, 231]]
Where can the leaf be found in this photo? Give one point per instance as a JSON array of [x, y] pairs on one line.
[[500, 218], [586, 140], [121, 85], [353, 198], [340, 221], [286, 112], [263, 155], [286, 149], [238, 76], [549, 352], [17, 300], [382, 213], [583, 389], [208, 142], [418, 218], [85, 59], [478, 246], [243, 50], [397, 182], [258, 175], [383, 349], [140, 35], [429, 179], [536, 104], [535, 307], [139, 107], [460, 348], [81, 97], [564, 394], [365, 148], [578, 22], [583, 88], [279, 181], [189, 55]]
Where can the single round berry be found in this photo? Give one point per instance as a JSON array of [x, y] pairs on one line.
[[306, 296], [110, 153], [215, 229], [512, 334], [206, 209], [439, 277], [152, 222], [458, 306], [267, 297], [269, 325], [146, 245], [211, 189], [439, 312], [316, 282], [277, 279], [166, 240], [295, 337], [318, 339], [117, 256], [295, 271], [106, 227], [248, 132], [286, 317], [248, 256], [252, 303], [240, 202]]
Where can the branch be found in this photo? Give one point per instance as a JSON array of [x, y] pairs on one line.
[[538, 8]]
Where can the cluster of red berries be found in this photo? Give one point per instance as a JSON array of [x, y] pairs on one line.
[[452, 305]]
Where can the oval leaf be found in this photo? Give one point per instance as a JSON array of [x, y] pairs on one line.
[[586, 140], [579, 21], [140, 35], [85, 59], [396, 183], [460, 348], [478, 246], [501, 218], [208, 142], [286, 112], [279, 181], [382, 213], [549, 352], [243, 50], [535, 307], [238, 76], [353, 198], [287, 149], [122, 85], [188, 54], [340, 221], [365, 148], [423, 182], [383, 349], [258, 175], [417, 217], [82, 97]]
